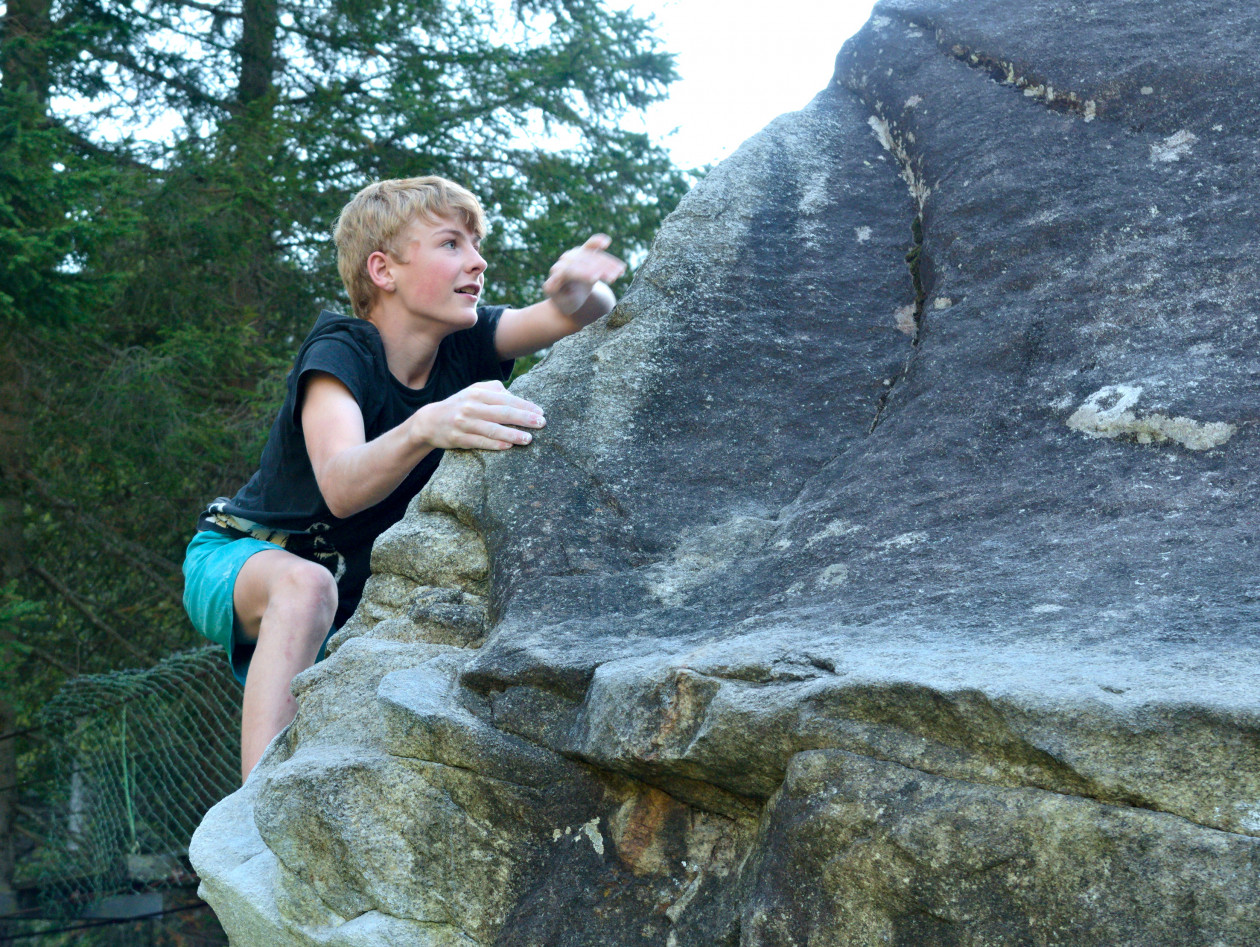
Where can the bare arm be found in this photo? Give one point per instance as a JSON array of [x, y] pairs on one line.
[[354, 473], [577, 294]]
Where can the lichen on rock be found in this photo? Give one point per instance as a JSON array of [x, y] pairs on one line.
[[1108, 412]]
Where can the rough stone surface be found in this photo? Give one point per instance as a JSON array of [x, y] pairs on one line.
[[886, 573]]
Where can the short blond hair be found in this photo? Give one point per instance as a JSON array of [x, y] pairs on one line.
[[380, 212]]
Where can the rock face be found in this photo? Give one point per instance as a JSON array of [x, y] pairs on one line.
[[887, 572]]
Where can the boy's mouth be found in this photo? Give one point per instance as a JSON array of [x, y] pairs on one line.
[[472, 289]]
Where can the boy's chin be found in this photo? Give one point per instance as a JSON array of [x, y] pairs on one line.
[[470, 317], [457, 317]]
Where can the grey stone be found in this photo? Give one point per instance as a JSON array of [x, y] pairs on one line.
[[877, 848], [886, 572]]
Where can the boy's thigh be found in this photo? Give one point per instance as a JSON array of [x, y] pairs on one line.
[[228, 583], [275, 572], [212, 566]]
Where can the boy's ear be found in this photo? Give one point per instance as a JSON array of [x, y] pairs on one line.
[[378, 271]]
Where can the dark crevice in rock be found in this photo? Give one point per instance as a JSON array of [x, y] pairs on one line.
[[900, 145], [1008, 73], [914, 262], [524, 788], [696, 794], [1113, 802], [1040, 90], [569, 684], [980, 729]]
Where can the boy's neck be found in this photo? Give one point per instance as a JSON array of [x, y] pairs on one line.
[[411, 345]]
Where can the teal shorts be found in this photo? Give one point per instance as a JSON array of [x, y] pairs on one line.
[[211, 565]]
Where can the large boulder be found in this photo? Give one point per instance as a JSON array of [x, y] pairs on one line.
[[887, 571]]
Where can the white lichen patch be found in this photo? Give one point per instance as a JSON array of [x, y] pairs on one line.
[[833, 530], [1147, 90], [942, 302], [913, 101], [879, 22], [1046, 609], [904, 320], [1175, 147], [1091, 110], [702, 554], [1109, 412], [833, 575], [905, 540], [863, 234], [884, 133], [591, 831], [1249, 816]]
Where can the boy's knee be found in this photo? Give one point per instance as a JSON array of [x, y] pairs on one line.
[[309, 583]]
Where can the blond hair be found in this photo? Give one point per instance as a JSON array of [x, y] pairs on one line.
[[379, 213]]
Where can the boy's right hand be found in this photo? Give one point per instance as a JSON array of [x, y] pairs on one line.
[[484, 416]]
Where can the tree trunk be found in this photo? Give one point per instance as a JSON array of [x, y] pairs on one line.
[[257, 50], [249, 134]]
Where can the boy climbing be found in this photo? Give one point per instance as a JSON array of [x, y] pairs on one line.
[[371, 403]]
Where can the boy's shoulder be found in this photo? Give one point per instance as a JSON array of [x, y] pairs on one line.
[[344, 341], [348, 329]]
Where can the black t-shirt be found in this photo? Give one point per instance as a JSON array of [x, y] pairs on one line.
[[281, 502]]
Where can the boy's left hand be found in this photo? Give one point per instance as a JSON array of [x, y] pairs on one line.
[[578, 270]]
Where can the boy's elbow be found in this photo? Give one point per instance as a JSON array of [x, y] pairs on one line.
[[342, 505], [339, 504], [338, 509]]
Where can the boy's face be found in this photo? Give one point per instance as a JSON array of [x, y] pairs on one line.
[[440, 274]]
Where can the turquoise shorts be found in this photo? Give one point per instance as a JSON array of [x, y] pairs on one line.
[[211, 565]]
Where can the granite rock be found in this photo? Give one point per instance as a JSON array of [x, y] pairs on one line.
[[886, 572]]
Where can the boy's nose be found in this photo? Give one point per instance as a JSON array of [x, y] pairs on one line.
[[479, 262]]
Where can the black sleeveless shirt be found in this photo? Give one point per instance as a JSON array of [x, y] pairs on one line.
[[282, 504]]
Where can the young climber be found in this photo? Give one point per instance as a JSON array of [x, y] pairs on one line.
[[371, 403]]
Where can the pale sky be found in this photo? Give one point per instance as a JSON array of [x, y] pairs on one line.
[[742, 62]]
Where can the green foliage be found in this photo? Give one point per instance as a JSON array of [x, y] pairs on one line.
[[58, 211], [18, 614]]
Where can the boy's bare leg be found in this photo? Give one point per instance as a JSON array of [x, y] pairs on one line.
[[287, 605]]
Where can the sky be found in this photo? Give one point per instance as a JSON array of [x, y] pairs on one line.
[[742, 62]]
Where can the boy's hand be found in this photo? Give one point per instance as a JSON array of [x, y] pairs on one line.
[[576, 273], [484, 416]]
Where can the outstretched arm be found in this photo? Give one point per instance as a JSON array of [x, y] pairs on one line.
[[577, 294], [354, 473]]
